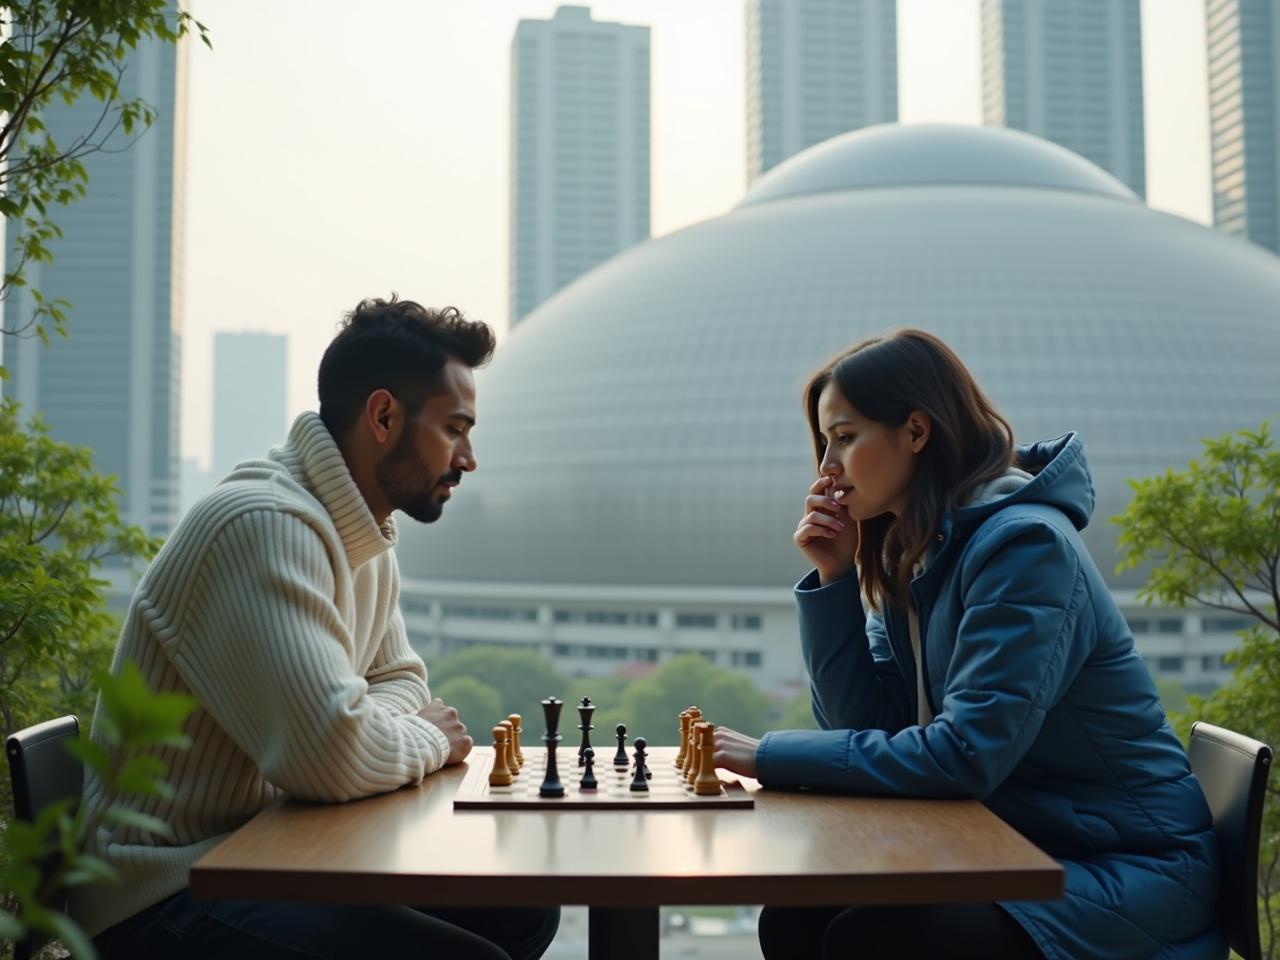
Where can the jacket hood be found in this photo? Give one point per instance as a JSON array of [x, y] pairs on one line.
[[1059, 477]]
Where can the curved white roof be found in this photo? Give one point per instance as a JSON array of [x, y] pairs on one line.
[[891, 155], [644, 425]]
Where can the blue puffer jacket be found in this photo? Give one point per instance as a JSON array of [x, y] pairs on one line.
[[1043, 710]]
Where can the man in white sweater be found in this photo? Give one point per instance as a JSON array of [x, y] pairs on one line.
[[275, 603]]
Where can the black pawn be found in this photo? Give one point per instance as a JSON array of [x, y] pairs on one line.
[[588, 781], [551, 785], [640, 782], [585, 710], [620, 758]]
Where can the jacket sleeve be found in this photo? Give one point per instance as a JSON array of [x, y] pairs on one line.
[[854, 681], [397, 676], [267, 653], [1016, 653]]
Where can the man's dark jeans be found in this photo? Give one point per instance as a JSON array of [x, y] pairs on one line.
[[249, 930]]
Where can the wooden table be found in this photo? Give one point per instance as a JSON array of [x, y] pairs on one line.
[[793, 849]]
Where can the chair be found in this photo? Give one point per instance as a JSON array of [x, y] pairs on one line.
[[42, 770], [1232, 770]]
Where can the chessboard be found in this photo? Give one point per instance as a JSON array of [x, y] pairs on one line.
[[667, 791]]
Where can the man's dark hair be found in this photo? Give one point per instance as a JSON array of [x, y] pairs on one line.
[[396, 345]]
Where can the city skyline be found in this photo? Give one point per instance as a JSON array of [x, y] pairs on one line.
[[314, 215], [114, 386]]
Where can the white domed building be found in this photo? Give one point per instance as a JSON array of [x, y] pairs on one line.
[[643, 453]]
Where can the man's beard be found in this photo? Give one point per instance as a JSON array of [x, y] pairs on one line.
[[400, 474]]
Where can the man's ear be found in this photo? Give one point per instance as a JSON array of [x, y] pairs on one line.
[[919, 428], [381, 415]]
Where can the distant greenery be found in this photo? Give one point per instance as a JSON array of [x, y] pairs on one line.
[[1213, 531], [477, 678]]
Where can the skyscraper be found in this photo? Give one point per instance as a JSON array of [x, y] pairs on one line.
[[249, 380], [113, 385], [816, 68], [1243, 43], [1071, 72], [579, 150]]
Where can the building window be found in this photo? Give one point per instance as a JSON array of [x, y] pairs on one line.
[[1169, 664], [745, 658], [1211, 663], [1225, 624], [1171, 625], [466, 612], [745, 621], [696, 621], [1139, 626], [616, 618]]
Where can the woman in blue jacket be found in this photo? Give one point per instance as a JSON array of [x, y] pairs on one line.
[[960, 642]]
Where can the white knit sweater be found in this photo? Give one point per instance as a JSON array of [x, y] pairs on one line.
[[274, 602]]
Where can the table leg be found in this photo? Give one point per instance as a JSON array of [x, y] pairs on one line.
[[615, 933]]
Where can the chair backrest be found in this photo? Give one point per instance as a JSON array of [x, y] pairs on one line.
[[42, 770], [1232, 770]]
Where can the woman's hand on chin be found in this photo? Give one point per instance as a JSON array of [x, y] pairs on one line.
[[735, 752]]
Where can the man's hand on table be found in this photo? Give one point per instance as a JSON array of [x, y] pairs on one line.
[[445, 718], [735, 752]]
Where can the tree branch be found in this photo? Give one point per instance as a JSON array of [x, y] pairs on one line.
[[62, 512]]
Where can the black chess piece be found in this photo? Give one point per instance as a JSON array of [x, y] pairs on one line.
[[620, 758], [551, 785], [588, 781], [640, 782], [585, 710]]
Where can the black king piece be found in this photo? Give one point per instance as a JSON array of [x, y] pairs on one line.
[[585, 709], [551, 785]]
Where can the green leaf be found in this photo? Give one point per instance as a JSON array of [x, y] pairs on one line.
[[10, 927], [139, 821], [72, 937], [86, 869]]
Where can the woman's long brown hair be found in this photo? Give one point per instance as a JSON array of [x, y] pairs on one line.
[[885, 379]]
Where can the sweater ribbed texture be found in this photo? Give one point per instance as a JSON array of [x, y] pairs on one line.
[[275, 603]]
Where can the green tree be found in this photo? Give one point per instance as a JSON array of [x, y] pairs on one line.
[[58, 523], [60, 51], [522, 679], [58, 520], [798, 714], [478, 704], [650, 707], [1213, 531]]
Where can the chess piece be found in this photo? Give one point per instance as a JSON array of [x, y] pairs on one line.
[[516, 729], [510, 756], [588, 781], [695, 753], [640, 782], [585, 710], [706, 784], [499, 776], [551, 785], [688, 767], [620, 760], [685, 718]]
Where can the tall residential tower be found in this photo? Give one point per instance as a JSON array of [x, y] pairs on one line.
[[1069, 71], [1243, 42], [579, 150], [113, 385], [816, 68]]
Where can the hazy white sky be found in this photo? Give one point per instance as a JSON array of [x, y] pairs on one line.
[[337, 150]]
